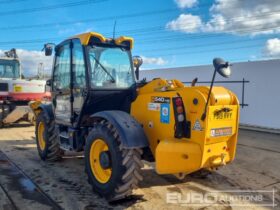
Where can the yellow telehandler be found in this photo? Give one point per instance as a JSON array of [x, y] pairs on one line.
[[99, 107]]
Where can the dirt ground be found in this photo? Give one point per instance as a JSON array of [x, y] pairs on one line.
[[256, 168]]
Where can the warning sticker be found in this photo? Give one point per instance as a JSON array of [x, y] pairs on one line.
[[197, 126], [216, 132], [154, 106], [165, 113], [17, 88]]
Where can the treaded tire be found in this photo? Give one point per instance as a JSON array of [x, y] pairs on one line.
[[125, 163], [52, 151]]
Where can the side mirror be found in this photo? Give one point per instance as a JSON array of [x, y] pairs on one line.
[[222, 67], [137, 62], [49, 82], [48, 49]]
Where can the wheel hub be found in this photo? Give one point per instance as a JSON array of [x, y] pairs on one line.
[[100, 161], [105, 160], [41, 139]]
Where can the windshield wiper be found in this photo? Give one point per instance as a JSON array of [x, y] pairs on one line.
[[107, 72]]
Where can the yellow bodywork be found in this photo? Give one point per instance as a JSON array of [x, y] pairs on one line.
[[205, 148], [35, 107], [85, 38]]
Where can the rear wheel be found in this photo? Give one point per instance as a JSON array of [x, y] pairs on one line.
[[112, 170], [47, 139]]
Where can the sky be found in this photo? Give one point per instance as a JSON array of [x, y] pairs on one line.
[[167, 33]]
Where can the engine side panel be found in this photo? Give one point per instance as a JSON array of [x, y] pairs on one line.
[[212, 142]]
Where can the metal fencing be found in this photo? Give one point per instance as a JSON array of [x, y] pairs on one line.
[[242, 82]]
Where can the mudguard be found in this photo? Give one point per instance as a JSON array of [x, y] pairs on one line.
[[47, 108], [131, 132], [38, 107]]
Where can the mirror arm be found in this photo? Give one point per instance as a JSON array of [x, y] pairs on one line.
[[203, 116], [137, 73], [194, 82], [137, 62]]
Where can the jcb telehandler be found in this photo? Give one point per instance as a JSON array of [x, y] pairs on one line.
[[98, 107]]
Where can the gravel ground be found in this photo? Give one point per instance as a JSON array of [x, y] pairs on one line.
[[256, 168]]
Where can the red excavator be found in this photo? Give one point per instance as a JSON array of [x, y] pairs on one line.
[[16, 92]]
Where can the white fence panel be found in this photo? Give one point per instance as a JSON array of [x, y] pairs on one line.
[[262, 93]]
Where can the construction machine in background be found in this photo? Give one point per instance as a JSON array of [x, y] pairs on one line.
[[99, 107], [16, 92]]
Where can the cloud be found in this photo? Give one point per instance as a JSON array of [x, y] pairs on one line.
[[186, 3], [76, 28], [272, 48], [246, 17], [152, 60], [237, 17], [185, 23], [30, 60]]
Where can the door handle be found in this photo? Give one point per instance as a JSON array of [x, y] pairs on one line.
[[84, 92], [58, 91]]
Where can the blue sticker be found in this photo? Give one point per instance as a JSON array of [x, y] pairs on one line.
[[165, 113]]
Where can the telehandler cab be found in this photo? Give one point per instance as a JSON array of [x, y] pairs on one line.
[[98, 107]]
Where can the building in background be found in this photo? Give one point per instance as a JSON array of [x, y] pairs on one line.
[[257, 85]]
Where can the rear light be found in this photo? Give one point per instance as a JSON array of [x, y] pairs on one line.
[[181, 118], [182, 127], [178, 101], [180, 109]]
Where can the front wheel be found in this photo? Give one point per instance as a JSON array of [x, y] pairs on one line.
[[112, 170], [47, 139]]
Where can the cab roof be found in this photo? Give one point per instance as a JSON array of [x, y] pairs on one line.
[[93, 37], [8, 59]]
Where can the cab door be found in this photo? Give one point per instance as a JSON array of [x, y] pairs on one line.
[[79, 79], [61, 84]]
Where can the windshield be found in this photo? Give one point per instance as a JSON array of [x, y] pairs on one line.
[[9, 69], [110, 68]]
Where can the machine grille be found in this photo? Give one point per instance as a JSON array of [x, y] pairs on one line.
[[3, 86]]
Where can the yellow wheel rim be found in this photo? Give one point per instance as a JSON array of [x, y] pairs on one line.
[[41, 139], [102, 175]]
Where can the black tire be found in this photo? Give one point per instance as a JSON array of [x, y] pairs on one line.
[[5, 110], [125, 164], [52, 151]]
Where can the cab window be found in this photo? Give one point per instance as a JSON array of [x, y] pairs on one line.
[[79, 70], [61, 77], [110, 68]]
